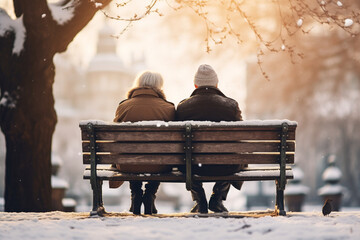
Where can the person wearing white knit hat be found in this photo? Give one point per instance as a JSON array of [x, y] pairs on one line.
[[208, 103], [205, 76]]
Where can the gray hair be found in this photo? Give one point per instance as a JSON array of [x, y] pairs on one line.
[[149, 79]]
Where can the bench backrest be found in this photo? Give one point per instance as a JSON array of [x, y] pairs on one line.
[[245, 142]]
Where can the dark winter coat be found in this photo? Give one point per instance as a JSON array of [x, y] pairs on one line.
[[208, 103], [144, 104]]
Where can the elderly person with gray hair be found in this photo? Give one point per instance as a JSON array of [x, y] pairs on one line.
[[208, 103], [145, 101]]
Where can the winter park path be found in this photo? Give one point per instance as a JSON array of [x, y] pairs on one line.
[[61, 225]]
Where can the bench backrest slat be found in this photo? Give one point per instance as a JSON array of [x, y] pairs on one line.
[[177, 159]]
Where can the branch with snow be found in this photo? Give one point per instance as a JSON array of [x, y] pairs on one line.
[[62, 13], [71, 17], [17, 27], [8, 101]]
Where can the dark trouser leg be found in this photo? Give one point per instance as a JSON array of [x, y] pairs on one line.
[[136, 196], [220, 191], [149, 197], [198, 195]]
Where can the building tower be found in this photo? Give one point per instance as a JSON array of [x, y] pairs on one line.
[[107, 78]]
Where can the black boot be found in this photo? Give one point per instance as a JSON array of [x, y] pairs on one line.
[[219, 194], [149, 197], [198, 195], [136, 197]]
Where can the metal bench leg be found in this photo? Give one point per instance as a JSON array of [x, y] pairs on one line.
[[98, 206], [280, 207]]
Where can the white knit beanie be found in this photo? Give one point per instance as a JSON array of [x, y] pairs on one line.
[[205, 76]]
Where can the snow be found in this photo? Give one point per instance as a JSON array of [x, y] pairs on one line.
[[98, 5], [348, 22], [62, 14], [295, 189], [68, 202], [100, 173], [56, 160], [298, 173], [57, 182], [331, 173], [60, 225], [299, 22], [7, 101], [17, 26], [194, 123], [331, 189]]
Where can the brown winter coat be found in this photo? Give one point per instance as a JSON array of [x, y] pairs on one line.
[[208, 103], [144, 104]]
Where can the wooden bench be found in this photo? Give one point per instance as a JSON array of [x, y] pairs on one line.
[[268, 146]]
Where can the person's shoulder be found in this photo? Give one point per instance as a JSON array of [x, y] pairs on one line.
[[229, 99], [124, 101], [232, 100], [184, 102], [172, 104]]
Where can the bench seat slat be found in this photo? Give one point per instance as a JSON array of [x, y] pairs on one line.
[[241, 158], [255, 175], [172, 159], [250, 168], [198, 147]]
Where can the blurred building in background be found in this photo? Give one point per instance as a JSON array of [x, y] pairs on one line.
[[107, 79], [90, 93], [320, 92]]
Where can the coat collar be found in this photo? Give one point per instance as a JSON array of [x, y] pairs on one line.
[[146, 91], [207, 90]]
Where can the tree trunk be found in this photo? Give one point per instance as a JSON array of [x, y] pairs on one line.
[[27, 114], [28, 168], [28, 126]]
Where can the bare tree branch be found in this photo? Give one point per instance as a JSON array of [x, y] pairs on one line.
[[136, 17]]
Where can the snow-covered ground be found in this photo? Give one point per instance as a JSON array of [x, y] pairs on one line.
[[60, 225]]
